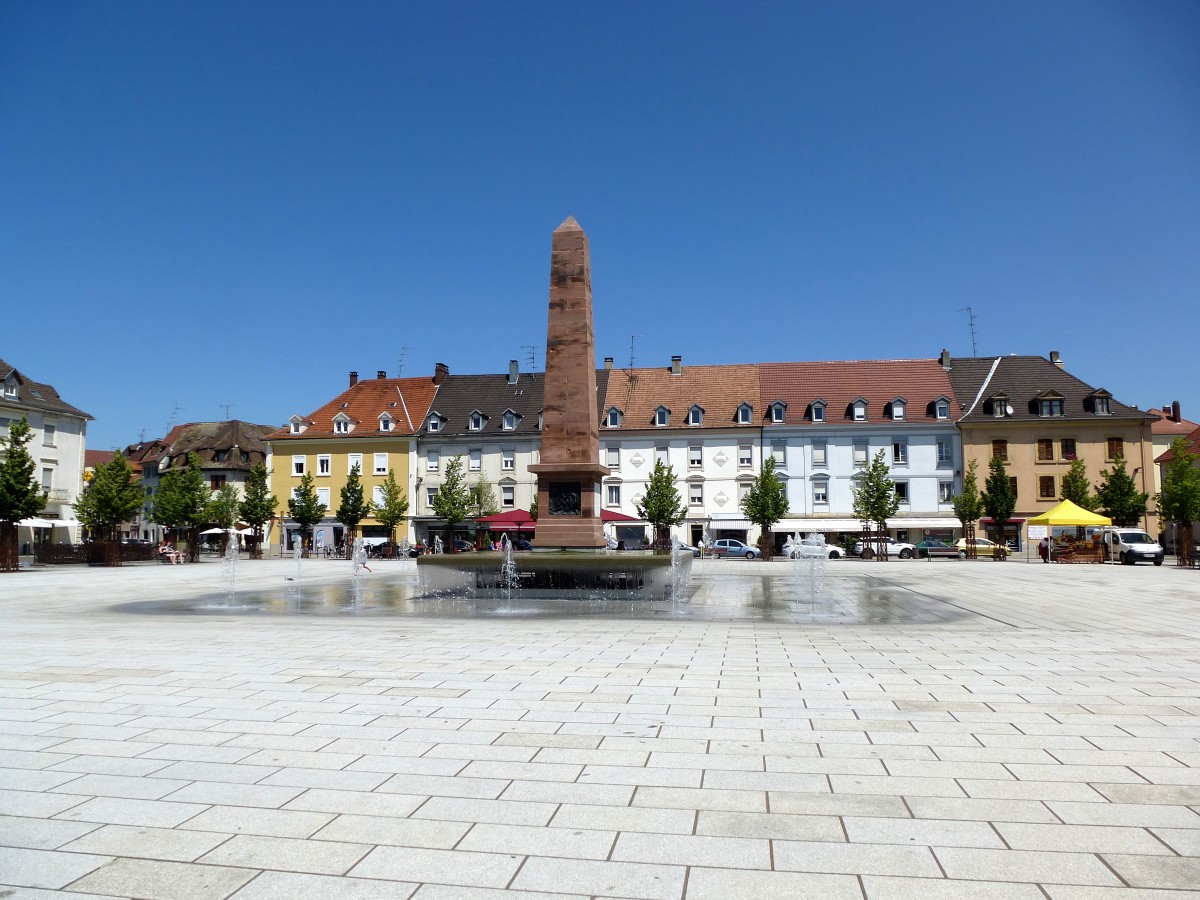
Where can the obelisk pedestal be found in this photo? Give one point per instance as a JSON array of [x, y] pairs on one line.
[[570, 473]]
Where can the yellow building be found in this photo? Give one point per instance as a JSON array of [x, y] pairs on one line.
[[372, 424], [1038, 418]]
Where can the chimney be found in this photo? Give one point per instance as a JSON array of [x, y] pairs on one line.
[[440, 371], [1176, 415], [353, 379], [945, 360], [608, 363], [380, 374], [676, 365], [1056, 359], [513, 372]]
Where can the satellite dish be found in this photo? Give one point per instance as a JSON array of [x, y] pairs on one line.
[[1008, 410]]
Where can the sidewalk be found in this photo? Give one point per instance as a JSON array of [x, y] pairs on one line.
[[965, 730]]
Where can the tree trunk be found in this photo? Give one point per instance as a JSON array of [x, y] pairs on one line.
[[256, 543], [9, 560]]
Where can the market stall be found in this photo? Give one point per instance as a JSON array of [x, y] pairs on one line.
[[1070, 548]]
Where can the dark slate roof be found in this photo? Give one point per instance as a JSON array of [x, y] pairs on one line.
[[1025, 379], [35, 395], [206, 439], [460, 395]]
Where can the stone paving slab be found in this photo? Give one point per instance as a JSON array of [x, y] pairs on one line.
[[922, 730]]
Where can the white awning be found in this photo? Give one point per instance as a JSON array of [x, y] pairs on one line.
[[36, 523], [730, 524]]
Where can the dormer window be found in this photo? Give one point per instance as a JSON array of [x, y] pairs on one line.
[[475, 421], [509, 420], [898, 410], [859, 411], [818, 411], [297, 424], [612, 418], [1101, 404], [10, 389], [778, 411], [341, 424], [385, 422], [1000, 407], [941, 408], [1050, 406], [434, 424], [744, 414], [539, 422], [695, 416], [662, 417]]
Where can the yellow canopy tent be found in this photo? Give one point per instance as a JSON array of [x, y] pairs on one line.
[[1067, 514]]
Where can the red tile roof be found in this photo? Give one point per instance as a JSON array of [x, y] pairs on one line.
[[407, 400], [1167, 425], [918, 382], [1193, 445], [719, 391]]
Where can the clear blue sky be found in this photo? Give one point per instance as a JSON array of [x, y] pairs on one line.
[[238, 203]]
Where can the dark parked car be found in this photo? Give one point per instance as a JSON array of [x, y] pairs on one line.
[[521, 544], [461, 546], [932, 549]]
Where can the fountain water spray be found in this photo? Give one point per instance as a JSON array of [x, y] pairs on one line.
[[810, 555], [229, 561]]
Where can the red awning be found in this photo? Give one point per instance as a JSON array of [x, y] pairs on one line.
[[512, 520], [613, 516]]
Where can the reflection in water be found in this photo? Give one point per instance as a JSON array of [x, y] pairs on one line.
[[849, 599]]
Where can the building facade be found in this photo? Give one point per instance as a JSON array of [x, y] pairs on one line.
[[59, 437], [1038, 418]]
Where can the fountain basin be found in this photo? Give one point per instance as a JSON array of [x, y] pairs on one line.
[[608, 575]]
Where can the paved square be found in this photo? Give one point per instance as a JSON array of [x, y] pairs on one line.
[[912, 730]]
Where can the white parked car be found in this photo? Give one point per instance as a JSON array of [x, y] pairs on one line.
[[794, 551], [1130, 546], [894, 548]]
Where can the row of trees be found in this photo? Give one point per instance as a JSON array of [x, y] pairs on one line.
[[307, 510]]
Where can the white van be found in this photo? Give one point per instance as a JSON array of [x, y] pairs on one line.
[[1131, 545]]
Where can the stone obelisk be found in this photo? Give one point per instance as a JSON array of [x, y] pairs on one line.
[[569, 473]]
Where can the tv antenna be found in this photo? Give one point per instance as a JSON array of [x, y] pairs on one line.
[[174, 415], [226, 407], [400, 362], [971, 317], [530, 356], [632, 339]]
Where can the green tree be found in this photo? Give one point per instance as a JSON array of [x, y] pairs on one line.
[[875, 501], [453, 499], [1077, 488], [533, 507], [482, 498], [394, 506], [306, 509], [999, 501], [354, 507], [258, 506], [222, 511], [766, 503], [968, 506], [661, 505], [1118, 497], [182, 501], [1179, 501], [20, 494], [112, 497]]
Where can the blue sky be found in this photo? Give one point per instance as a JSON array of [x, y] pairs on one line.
[[230, 203]]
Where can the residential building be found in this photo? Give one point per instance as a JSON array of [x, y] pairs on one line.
[[823, 422], [227, 451], [702, 421], [1037, 417], [493, 422], [59, 435], [373, 425], [1170, 425]]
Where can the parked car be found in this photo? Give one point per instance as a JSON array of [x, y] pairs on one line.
[[695, 551], [934, 549], [894, 548], [1130, 546], [731, 547], [521, 544], [462, 546], [980, 543], [794, 552]]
